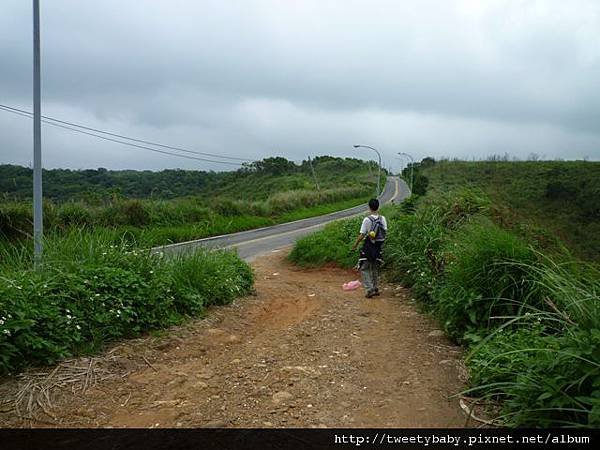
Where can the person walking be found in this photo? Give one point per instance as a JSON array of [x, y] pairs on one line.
[[372, 231]]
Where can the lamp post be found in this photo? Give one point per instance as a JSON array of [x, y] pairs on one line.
[[402, 162], [379, 171], [412, 161]]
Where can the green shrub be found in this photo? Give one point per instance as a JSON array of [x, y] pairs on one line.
[[126, 212], [91, 291], [331, 245], [559, 190], [420, 183], [588, 200], [486, 276], [16, 220], [542, 380], [74, 215], [228, 207]]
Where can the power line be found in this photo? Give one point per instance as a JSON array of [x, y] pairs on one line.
[[50, 120], [24, 114]]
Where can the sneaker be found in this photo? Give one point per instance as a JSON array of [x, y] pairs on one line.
[[376, 291], [370, 294]]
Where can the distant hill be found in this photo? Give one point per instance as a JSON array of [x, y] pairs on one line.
[[255, 181], [562, 197]]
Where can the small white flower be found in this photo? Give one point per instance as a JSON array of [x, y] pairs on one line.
[[97, 295], [1, 321], [78, 327], [152, 271], [6, 332], [69, 317]]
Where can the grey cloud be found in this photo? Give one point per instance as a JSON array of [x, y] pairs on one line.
[[250, 77]]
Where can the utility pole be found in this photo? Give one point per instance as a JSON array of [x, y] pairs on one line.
[[312, 169], [37, 141]]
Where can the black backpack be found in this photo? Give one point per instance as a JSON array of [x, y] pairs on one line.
[[371, 250]]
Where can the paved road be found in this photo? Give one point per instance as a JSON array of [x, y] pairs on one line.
[[252, 243]]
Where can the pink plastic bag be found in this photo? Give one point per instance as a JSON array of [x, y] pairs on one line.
[[351, 285]]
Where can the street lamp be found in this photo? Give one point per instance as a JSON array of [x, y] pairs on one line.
[[379, 171], [411, 169], [402, 163]]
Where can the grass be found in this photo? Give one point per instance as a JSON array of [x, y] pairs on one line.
[[157, 222], [530, 318], [91, 291], [549, 201]]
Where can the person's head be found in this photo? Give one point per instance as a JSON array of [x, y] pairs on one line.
[[374, 204]]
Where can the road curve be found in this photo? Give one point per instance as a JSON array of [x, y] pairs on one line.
[[252, 243]]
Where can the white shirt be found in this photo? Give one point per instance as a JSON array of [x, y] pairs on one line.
[[366, 223]]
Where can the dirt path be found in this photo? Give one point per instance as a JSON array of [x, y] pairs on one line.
[[301, 353]]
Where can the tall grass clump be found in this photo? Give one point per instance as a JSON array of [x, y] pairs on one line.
[[545, 367], [485, 272], [91, 291], [414, 246]]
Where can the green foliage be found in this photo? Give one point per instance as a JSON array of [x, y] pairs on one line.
[[546, 368], [332, 244], [16, 219], [126, 212], [420, 183], [74, 214], [559, 199], [414, 247], [254, 181], [485, 273], [92, 291]]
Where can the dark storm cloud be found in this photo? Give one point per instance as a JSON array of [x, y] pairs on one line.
[[254, 78]]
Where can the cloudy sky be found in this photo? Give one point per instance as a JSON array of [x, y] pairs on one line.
[[294, 78]]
